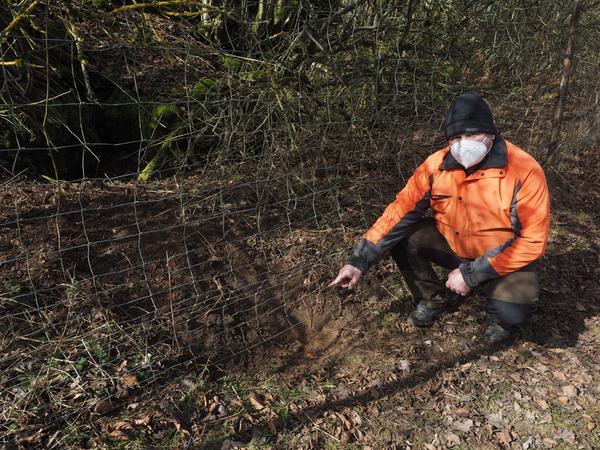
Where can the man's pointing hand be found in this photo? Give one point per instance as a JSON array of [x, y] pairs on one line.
[[348, 277]]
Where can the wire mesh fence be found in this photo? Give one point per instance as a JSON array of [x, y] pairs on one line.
[[182, 178]]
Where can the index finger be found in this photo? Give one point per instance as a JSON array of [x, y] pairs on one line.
[[335, 282]]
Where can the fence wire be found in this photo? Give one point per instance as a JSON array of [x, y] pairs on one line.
[[179, 183]]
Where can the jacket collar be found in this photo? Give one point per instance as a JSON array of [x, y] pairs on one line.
[[496, 157]]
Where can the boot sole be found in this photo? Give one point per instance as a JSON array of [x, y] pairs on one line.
[[419, 325], [434, 317]]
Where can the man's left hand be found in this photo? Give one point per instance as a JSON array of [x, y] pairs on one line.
[[456, 283]]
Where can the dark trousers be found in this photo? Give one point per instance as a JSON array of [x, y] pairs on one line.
[[510, 300]]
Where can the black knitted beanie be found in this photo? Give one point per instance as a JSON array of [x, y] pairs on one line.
[[469, 113]]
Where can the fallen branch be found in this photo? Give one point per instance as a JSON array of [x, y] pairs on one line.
[[161, 4], [16, 62], [17, 19], [19, 63]]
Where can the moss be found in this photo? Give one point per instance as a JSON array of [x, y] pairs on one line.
[[203, 86], [166, 113], [389, 323], [230, 63]]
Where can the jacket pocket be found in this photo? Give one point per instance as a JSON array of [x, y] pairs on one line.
[[440, 203]]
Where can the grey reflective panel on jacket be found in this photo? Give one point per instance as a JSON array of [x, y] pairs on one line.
[[514, 216], [366, 253]]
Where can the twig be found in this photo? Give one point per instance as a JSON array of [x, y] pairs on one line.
[[83, 61], [321, 429], [16, 62], [171, 305], [340, 13], [17, 19]]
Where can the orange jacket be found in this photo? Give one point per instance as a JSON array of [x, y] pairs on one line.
[[496, 218]]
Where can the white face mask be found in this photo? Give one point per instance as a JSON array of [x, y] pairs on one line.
[[468, 152]]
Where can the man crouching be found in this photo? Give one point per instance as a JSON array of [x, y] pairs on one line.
[[491, 217]]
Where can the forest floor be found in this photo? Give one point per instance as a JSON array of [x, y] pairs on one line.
[[363, 378], [323, 369], [367, 380]]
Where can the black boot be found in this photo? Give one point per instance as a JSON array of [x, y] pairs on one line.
[[496, 333], [424, 316]]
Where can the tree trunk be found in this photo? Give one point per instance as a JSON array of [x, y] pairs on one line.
[[279, 13], [408, 20], [262, 17], [205, 16], [564, 82]]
